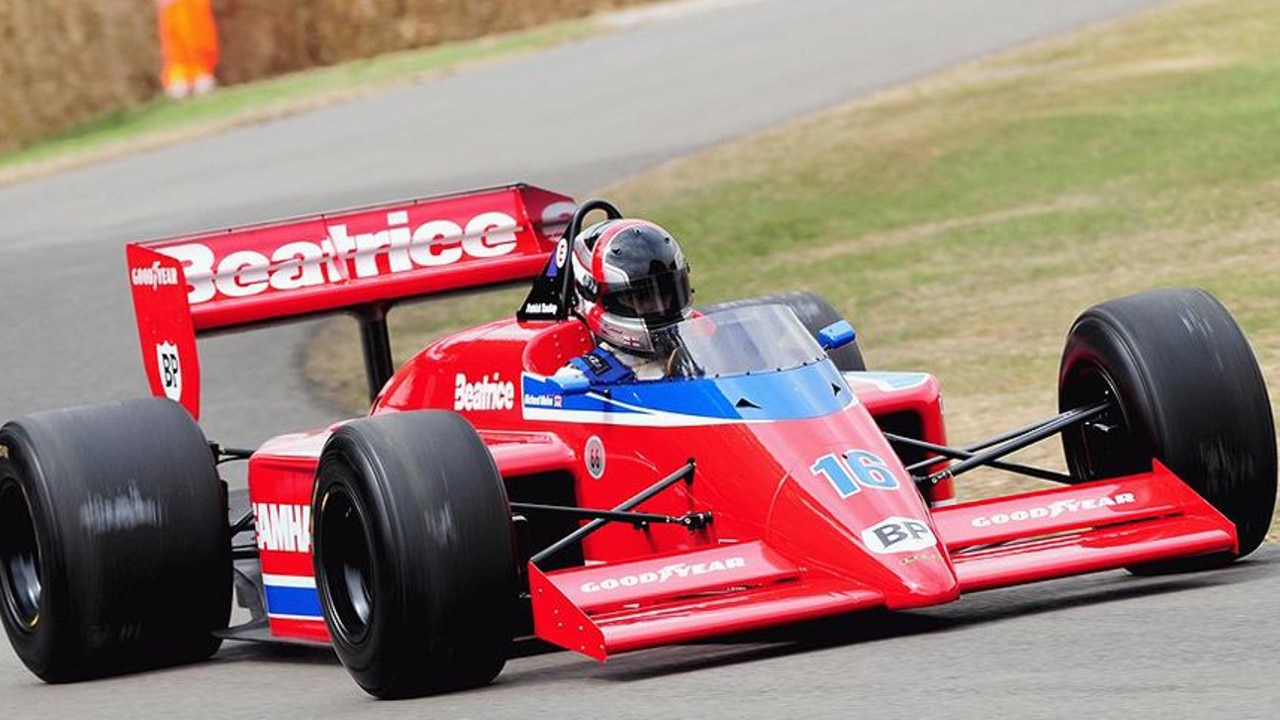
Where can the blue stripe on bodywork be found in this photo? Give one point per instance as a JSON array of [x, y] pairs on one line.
[[803, 392], [293, 601]]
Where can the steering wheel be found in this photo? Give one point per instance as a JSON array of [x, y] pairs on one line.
[[680, 364]]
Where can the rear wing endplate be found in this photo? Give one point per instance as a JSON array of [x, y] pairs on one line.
[[360, 261]]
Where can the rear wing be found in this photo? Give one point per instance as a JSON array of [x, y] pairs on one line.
[[360, 261]]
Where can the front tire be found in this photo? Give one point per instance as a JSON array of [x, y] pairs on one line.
[[1187, 390], [413, 554], [114, 547]]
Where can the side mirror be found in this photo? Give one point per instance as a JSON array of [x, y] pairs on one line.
[[570, 385], [836, 335]]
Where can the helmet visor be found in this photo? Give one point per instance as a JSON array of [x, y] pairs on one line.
[[661, 297]]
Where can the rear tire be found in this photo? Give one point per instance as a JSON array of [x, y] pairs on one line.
[[1188, 391], [114, 548], [414, 554], [815, 313]]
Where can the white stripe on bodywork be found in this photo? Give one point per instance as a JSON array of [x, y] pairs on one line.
[[309, 618], [635, 416], [292, 581], [884, 381], [631, 419]]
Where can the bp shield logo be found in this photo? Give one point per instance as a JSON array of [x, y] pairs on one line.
[[898, 534], [170, 370]]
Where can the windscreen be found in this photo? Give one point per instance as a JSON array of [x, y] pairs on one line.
[[738, 341]]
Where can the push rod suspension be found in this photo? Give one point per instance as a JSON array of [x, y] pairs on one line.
[[685, 472], [996, 440], [619, 515], [244, 552], [957, 454], [243, 524], [1032, 436], [226, 454]]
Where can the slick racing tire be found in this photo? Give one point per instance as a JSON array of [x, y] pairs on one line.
[[414, 554], [114, 548], [1186, 390], [815, 313]]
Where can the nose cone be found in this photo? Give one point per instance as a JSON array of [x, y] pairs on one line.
[[881, 538]]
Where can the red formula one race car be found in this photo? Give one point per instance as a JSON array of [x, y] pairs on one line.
[[766, 478]]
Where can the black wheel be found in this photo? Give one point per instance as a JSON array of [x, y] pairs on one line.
[[1186, 390], [114, 547], [414, 554], [814, 312]]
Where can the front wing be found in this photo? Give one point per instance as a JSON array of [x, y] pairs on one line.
[[599, 610]]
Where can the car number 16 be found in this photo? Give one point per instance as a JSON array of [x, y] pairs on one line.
[[853, 470]]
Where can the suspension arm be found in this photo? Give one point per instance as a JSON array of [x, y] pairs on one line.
[[1007, 444], [961, 454], [684, 472], [637, 518]]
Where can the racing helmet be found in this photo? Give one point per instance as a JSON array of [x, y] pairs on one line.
[[631, 278]]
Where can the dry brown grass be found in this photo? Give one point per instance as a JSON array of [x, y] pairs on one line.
[[66, 63]]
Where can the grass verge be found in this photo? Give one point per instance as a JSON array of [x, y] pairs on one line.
[[164, 121], [964, 221]]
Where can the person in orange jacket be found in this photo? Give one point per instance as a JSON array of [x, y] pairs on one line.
[[189, 43]]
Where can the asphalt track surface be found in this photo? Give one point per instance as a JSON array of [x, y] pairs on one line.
[[572, 119]]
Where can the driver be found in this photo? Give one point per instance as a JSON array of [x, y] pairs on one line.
[[631, 280]]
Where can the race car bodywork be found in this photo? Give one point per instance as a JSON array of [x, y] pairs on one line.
[[809, 511], [760, 485]]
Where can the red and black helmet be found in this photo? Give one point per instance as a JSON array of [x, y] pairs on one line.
[[631, 278]]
